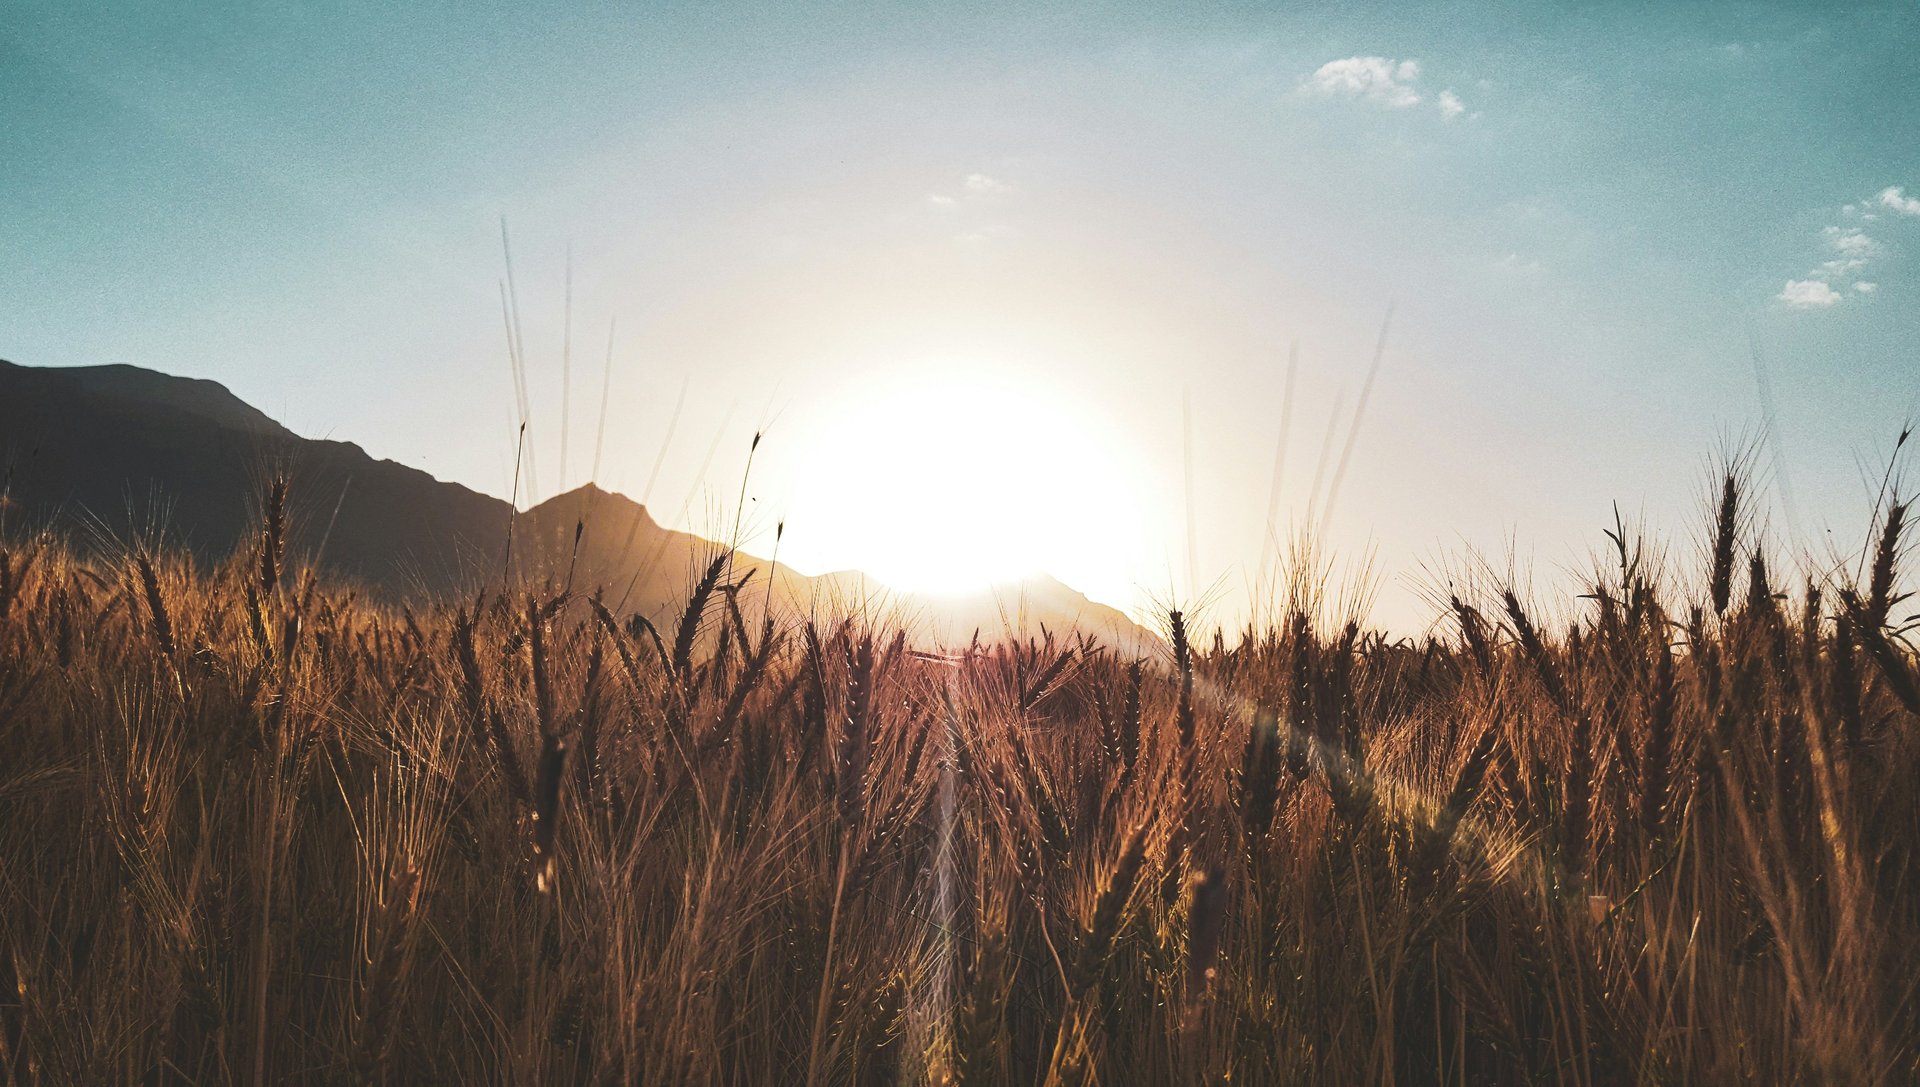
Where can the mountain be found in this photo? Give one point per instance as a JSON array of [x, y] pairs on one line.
[[123, 452], [623, 550]]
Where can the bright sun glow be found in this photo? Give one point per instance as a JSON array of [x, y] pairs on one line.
[[956, 477]]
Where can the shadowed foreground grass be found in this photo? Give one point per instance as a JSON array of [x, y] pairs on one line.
[[257, 830]]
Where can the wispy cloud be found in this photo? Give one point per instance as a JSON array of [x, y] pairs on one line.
[[1855, 249], [1854, 246], [1808, 294], [1383, 81], [1376, 79], [1894, 198], [1849, 240], [972, 187]]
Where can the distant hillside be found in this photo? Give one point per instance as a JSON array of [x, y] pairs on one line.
[[623, 550], [122, 450]]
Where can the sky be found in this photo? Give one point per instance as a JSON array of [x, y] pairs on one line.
[[1009, 288]]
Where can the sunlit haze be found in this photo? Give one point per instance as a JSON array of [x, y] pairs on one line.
[[948, 475]]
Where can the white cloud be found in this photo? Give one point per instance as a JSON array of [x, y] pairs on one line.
[[1849, 240], [1896, 198], [1450, 105], [941, 200], [1853, 249], [981, 183], [1376, 79], [1808, 294]]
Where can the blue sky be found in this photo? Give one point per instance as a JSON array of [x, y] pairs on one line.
[[1587, 218]]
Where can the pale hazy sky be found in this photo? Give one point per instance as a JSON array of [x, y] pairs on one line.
[[1586, 217]]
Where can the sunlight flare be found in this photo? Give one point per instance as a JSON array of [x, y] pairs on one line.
[[952, 477]]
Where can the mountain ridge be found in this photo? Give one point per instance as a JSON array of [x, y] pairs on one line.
[[137, 452]]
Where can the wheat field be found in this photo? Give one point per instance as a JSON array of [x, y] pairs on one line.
[[259, 828]]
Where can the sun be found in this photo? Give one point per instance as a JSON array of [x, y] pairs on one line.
[[950, 478]]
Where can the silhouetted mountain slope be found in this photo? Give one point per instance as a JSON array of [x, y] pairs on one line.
[[121, 450], [622, 550], [128, 450]]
